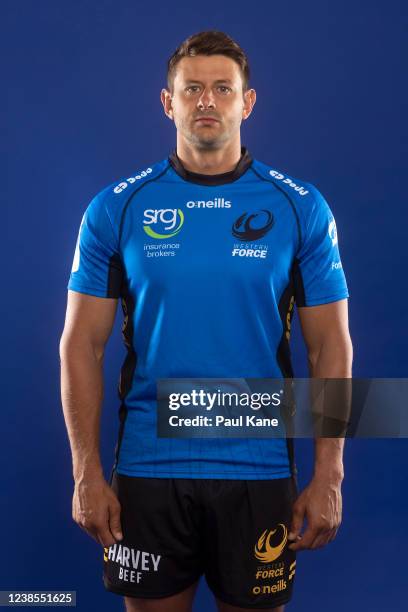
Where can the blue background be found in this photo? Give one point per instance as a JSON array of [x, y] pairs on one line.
[[82, 82]]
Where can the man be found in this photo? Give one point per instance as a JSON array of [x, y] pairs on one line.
[[208, 251]]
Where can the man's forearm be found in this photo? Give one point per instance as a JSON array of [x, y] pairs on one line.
[[329, 459], [81, 396], [333, 361]]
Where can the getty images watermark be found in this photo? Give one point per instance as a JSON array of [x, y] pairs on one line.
[[206, 400], [282, 408]]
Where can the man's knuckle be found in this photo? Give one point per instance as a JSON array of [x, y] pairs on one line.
[[99, 525], [109, 541], [323, 525], [89, 522], [106, 539]]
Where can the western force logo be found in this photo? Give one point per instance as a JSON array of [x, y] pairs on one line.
[[239, 251], [333, 232], [246, 229], [288, 181], [168, 222], [265, 551]]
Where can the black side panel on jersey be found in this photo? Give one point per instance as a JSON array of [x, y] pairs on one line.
[[128, 308], [285, 305], [283, 358], [286, 313], [128, 367], [299, 289], [115, 277]]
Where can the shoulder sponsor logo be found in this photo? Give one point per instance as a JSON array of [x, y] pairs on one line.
[[216, 203], [288, 181], [167, 221], [132, 179], [333, 232]]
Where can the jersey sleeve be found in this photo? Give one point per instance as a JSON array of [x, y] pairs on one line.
[[97, 268], [319, 275]]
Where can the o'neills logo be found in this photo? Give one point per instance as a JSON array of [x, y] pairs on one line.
[[265, 551], [243, 227], [216, 203]]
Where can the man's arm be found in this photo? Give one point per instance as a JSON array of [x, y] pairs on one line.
[[327, 338], [88, 324]]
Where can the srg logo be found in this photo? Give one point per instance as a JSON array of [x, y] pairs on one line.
[[165, 219]]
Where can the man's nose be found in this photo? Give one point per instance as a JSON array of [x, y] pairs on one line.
[[206, 100]]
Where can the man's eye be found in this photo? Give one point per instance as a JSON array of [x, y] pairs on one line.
[[224, 89], [192, 88]]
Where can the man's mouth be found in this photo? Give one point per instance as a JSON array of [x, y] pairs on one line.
[[208, 119]]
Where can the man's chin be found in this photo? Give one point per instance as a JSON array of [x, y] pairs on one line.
[[207, 141]]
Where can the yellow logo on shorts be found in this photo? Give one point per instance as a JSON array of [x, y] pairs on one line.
[[264, 551]]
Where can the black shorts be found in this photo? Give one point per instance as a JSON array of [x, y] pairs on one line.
[[176, 529]]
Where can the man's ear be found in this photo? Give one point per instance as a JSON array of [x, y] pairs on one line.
[[249, 103], [166, 100]]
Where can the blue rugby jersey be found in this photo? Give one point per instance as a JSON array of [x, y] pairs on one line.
[[208, 269]]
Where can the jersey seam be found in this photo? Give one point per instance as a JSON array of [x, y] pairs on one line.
[[292, 204], [110, 221], [191, 182], [80, 287], [155, 178], [315, 204], [139, 471], [332, 297]]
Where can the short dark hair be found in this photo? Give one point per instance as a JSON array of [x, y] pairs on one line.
[[210, 42]]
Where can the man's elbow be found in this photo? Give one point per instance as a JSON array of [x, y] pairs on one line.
[[73, 346], [334, 354]]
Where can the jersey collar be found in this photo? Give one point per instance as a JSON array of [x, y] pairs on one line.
[[212, 179]]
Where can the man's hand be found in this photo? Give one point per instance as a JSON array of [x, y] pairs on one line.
[[96, 509], [321, 503]]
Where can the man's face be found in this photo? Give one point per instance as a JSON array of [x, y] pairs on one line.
[[207, 103]]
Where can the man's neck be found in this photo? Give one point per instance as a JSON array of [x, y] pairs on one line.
[[215, 161]]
